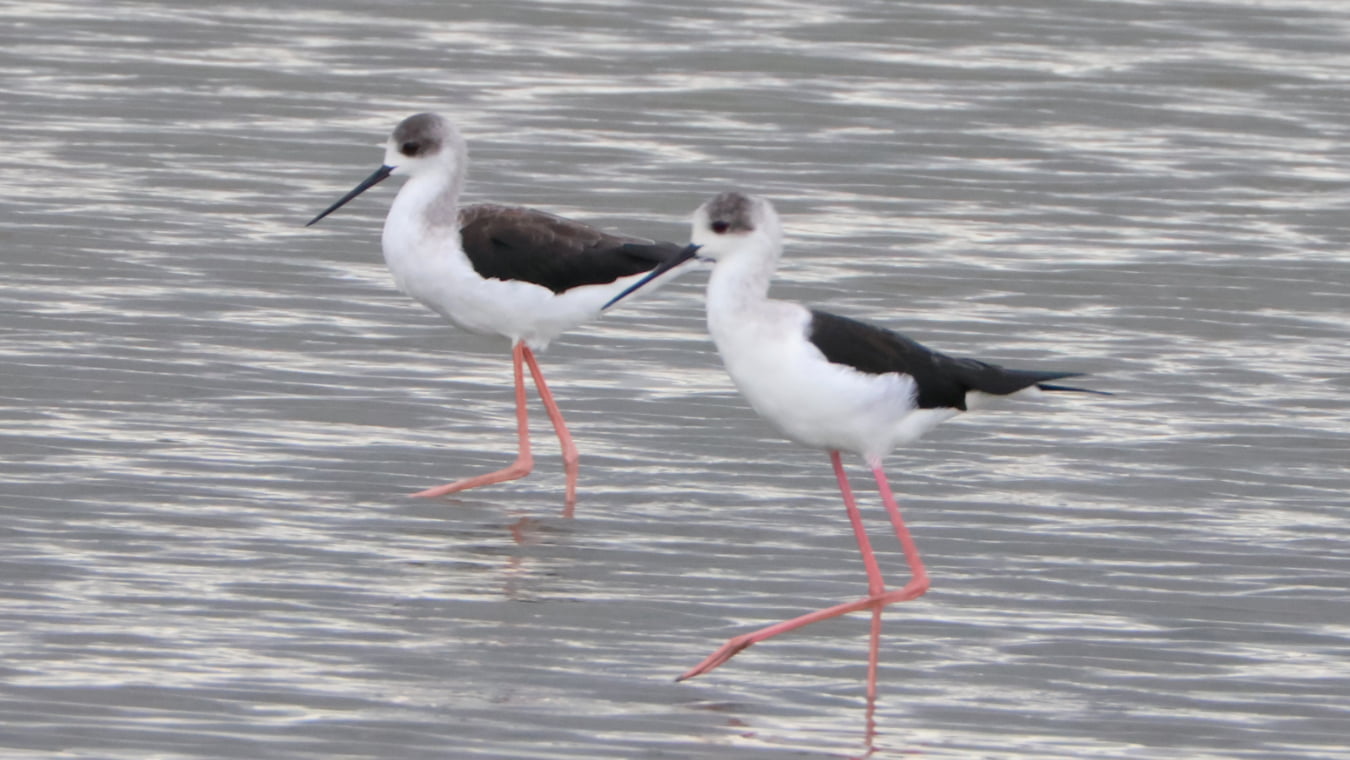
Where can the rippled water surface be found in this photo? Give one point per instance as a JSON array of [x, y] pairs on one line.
[[211, 415]]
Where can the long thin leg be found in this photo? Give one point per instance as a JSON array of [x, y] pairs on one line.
[[569, 450], [875, 584], [877, 595], [918, 573], [524, 461]]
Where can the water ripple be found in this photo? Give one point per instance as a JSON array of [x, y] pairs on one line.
[[212, 414]]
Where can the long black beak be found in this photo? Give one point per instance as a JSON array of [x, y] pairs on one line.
[[684, 255], [374, 179]]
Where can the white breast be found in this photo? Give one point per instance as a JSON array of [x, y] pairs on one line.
[[789, 382], [428, 263]]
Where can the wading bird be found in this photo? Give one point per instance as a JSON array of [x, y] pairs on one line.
[[523, 274], [830, 382]]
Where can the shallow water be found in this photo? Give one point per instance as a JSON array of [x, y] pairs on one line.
[[211, 415]]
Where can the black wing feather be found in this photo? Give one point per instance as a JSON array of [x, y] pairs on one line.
[[943, 381], [513, 243]]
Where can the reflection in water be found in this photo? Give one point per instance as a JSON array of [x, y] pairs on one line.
[[873, 660], [519, 581], [208, 415]]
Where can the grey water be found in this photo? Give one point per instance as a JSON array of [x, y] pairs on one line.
[[210, 416]]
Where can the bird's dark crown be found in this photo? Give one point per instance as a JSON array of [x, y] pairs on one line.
[[731, 212], [420, 135]]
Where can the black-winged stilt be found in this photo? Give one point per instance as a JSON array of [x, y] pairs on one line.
[[523, 274], [829, 382]]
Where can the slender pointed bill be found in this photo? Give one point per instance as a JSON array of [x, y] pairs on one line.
[[689, 252], [378, 176]]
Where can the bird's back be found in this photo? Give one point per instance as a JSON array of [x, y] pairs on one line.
[[942, 381], [523, 244]]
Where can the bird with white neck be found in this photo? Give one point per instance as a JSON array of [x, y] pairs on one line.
[[524, 275], [829, 382]]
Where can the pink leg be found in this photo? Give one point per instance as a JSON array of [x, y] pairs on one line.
[[918, 573], [873, 658], [524, 461], [569, 449], [877, 597]]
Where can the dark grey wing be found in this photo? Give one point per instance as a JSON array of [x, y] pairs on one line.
[[942, 381], [513, 243]]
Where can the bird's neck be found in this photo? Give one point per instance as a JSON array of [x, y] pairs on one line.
[[421, 234], [428, 203], [426, 210], [739, 284]]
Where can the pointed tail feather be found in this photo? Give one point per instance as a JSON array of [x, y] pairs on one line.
[[1041, 378]]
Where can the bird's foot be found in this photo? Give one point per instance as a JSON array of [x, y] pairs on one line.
[[518, 469], [915, 588], [724, 653]]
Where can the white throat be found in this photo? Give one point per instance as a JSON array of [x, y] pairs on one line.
[[421, 234], [740, 280]]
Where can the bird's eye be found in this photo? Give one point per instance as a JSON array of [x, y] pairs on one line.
[[410, 148], [720, 226]]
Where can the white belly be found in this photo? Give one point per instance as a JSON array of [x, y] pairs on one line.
[[790, 383], [439, 275]]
